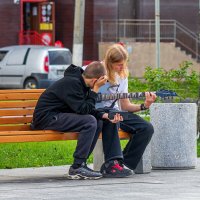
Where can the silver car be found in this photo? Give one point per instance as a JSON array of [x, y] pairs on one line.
[[31, 66]]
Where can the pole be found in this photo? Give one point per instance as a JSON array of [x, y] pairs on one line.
[[77, 53], [198, 100], [157, 30]]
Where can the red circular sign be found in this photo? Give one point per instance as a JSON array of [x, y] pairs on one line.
[[46, 38]]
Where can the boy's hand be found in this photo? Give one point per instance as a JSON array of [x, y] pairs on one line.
[[117, 118], [99, 82]]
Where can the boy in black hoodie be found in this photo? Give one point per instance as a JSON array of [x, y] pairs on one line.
[[69, 105]]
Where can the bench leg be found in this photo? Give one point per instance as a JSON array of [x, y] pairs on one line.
[[144, 166], [98, 155]]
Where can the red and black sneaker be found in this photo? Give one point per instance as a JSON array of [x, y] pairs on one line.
[[113, 169]]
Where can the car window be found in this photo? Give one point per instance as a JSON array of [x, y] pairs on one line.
[[60, 57], [16, 57], [2, 54]]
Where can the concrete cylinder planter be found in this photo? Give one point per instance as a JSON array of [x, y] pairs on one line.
[[174, 140]]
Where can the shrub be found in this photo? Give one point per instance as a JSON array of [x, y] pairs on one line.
[[184, 81]]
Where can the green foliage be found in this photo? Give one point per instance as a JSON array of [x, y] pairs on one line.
[[184, 81], [136, 85], [157, 78]]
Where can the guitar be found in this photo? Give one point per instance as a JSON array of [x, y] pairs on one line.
[[134, 95]]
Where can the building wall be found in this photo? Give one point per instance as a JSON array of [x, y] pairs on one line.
[[127, 9], [64, 17], [9, 23], [184, 11], [103, 9], [89, 31], [95, 10]]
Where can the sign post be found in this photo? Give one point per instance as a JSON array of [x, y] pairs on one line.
[[157, 30], [77, 55]]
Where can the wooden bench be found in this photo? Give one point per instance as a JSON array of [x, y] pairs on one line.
[[16, 111]]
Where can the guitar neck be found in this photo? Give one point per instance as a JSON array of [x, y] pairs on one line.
[[107, 97]]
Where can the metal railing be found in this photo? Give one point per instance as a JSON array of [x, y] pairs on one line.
[[144, 31]]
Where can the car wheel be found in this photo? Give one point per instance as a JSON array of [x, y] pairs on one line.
[[30, 84]]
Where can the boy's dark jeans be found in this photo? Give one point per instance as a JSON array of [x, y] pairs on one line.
[[141, 132], [87, 126]]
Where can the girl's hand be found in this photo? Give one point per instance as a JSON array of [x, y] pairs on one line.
[[150, 98]]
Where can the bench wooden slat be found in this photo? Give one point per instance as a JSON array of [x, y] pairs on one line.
[[24, 127], [122, 134], [21, 96], [22, 91], [18, 104], [35, 132], [17, 112], [16, 120], [38, 138]]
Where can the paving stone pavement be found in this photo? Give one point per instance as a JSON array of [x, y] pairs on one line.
[[51, 183]]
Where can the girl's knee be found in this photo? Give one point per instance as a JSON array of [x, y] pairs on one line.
[[149, 128]]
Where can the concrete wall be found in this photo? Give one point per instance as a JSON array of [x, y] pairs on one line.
[[142, 54]]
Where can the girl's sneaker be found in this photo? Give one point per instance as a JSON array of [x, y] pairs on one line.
[[113, 169]]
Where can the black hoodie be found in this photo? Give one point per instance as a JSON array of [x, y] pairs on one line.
[[67, 95]]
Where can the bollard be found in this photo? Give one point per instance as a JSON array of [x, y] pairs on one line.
[[174, 143]]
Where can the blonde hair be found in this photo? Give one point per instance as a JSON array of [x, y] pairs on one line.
[[116, 53]]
